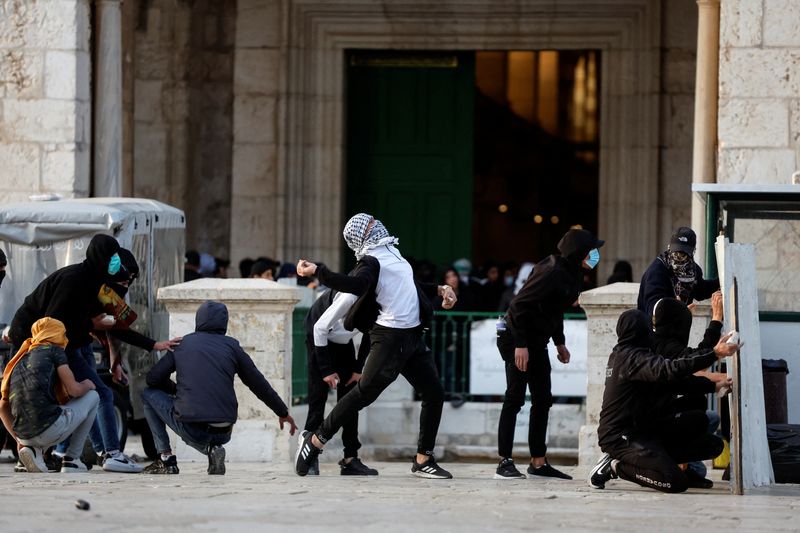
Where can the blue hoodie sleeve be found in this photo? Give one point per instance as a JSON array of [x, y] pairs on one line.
[[158, 377]]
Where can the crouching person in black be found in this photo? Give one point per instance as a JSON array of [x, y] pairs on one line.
[[672, 322], [650, 457], [201, 407]]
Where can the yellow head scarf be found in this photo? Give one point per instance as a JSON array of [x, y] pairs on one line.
[[45, 331]]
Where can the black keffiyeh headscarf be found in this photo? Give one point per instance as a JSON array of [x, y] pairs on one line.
[[363, 232], [682, 273]]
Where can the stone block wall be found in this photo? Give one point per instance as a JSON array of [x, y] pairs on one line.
[[678, 60], [759, 91], [182, 103], [256, 199], [45, 113]]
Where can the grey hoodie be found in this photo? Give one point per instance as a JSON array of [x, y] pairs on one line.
[[205, 362]]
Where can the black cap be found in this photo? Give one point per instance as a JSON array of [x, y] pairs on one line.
[[683, 240]]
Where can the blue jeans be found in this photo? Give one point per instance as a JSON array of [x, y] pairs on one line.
[[104, 430], [159, 410]]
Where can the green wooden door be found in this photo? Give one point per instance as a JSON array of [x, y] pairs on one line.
[[409, 149]]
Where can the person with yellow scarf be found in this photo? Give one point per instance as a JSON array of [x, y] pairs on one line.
[[42, 404]]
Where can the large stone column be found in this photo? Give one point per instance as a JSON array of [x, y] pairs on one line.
[[603, 307], [704, 158], [260, 318], [108, 100]]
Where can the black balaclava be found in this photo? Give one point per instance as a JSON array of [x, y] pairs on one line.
[[129, 272], [633, 330], [672, 320]]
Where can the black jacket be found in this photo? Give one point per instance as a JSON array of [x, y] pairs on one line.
[[631, 371], [205, 363], [672, 323], [69, 294], [536, 313], [362, 282], [320, 354], [657, 284]]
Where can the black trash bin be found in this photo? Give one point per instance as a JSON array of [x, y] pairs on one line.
[[774, 372]]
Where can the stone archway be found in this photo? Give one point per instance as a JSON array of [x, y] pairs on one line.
[[312, 134]]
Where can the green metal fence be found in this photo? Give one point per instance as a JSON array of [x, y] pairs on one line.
[[299, 357], [448, 339]]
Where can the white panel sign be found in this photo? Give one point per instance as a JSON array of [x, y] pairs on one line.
[[487, 370]]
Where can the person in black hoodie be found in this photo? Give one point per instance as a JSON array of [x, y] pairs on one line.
[[201, 407], [649, 456], [71, 295], [536, 315], [672, 323], [674, 274], [393, 309]]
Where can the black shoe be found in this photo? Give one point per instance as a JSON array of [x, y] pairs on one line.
[[53, 462], [216, 460], [313, 470], [696, 481], [306, 454], [547, 471], [19, 467], [726, 474], [355, 468], [507, 470], [429, 469], [160, 466], [601, 472]]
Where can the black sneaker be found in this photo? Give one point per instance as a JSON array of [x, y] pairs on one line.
[[53, 462], [19, 467], [356, 468], [429, 469], [696, 481], [216, 461], [547, 471], [601, 472], [507, 470], [160, 466], [306, 454], [313, 470]]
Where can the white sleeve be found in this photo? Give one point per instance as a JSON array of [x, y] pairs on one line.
[[341, 304]]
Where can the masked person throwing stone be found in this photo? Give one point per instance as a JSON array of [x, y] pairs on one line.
[[536, 315], [394, 309]]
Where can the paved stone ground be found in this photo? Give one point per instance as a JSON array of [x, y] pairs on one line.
[[269, 497]]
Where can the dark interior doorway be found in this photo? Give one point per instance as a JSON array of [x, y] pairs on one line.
[[536, 154]]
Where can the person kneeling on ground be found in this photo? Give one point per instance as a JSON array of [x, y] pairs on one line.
[[35, 382], [201, 407], [672, 323], [650, 458]]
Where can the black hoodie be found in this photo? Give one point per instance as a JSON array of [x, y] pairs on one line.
[[537, 312], [631, 371], [672, 323], [205, 362], [70, 295]]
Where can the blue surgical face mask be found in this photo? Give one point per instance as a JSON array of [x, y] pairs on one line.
[[594, 258], [509, 281], [114, 265]]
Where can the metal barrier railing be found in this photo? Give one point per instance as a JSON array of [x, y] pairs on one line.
[[448, 339]]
